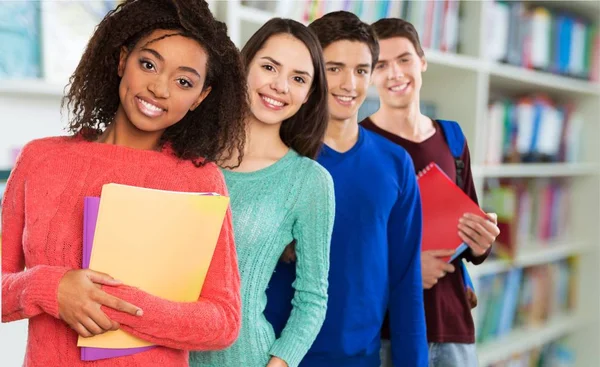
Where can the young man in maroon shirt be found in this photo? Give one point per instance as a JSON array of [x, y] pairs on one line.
[[397, 76]]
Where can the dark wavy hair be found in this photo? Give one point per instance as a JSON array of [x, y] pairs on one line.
[[395, 27], [345, 26], [215, 130], [304, 131]]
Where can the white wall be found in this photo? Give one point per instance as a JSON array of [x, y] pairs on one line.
[[26, 117], [13, 337]]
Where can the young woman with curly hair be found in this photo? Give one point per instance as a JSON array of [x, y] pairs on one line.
[[279, 194], [159, 97]]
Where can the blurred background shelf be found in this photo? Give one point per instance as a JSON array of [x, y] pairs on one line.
[[536, 170], [535, 254], [519, 341], [30, 87]]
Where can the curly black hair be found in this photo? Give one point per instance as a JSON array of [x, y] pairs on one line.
[[213, 132]]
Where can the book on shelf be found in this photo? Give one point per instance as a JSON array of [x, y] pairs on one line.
[[530, 212], [436, 21], [533, 129], [540, 38], [524, 297], [557, 353]]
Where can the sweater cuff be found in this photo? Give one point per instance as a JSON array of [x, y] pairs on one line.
[[289, 351], [43, 292], [476, 260]]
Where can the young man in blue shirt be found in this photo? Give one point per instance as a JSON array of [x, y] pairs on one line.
[[375, 249]]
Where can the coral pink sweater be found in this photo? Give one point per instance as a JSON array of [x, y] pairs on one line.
[[42, 225]]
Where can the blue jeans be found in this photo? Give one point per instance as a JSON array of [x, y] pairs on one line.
[[440, 355], [452, 355]]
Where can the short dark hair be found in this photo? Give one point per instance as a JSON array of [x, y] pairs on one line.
[[345, 26], [303, 132], [213, 132], [395, 27]]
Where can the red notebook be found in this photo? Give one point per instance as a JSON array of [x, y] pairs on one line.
[[443, 205]]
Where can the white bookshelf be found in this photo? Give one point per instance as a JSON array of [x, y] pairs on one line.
[[30, 88], [460, 85], [519, 341]]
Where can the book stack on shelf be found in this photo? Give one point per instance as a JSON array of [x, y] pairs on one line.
[[524, 298], [435, 21], [533, 129], [543, 38], [557, 353], [533, 214]]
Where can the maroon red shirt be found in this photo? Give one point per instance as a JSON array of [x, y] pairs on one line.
[[447, 310]]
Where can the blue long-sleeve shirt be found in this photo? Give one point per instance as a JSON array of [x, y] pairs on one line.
[[375, 260]]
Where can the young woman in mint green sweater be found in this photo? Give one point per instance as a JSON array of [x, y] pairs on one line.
[[279, 195]]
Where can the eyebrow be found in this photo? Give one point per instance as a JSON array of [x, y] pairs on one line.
[[341, 64], [162, 59], [404, 54], [277, 63]]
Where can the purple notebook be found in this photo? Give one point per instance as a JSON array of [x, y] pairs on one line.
[[90, 216]]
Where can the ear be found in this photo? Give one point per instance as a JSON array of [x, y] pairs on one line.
[[201, 98], [122, 61], [423, 64]]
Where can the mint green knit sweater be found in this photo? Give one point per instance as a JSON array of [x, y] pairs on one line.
[[291, 199]]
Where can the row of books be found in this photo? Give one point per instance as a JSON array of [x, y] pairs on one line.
[[524, 297], [436, 21], [533, 129], [46, 39], [556, 354], [531, 213], [537, 37]]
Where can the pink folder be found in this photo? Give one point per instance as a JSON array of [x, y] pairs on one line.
[[90, 216]]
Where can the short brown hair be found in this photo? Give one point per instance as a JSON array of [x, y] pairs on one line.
[[303, 132], [395, 27], [345, 26]]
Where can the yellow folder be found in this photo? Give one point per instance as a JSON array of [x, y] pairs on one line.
[[159, 241]]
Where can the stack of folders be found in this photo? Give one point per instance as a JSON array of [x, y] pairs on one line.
[[161, 242]]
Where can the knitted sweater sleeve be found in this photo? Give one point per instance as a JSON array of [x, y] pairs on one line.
[[25, 293], [211, 323], [312, 231]]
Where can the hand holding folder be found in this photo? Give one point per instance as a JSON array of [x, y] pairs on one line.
[[161, 242], [443, 204]]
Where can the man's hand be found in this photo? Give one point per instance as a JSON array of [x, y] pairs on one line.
[[433, 268], [478, 233]]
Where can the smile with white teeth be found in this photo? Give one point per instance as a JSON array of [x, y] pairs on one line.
[[273, 102], [345, 98], [399, 88], [150, 106]]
